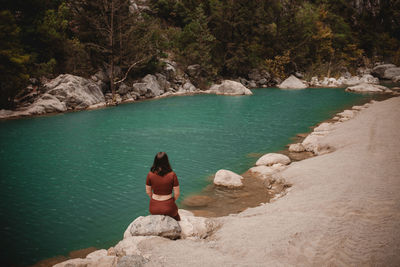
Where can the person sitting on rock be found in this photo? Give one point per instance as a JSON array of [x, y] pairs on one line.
[[160, 183]]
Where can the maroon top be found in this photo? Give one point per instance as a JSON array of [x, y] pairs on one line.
[[162, 185]]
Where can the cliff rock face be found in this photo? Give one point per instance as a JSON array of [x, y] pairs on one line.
[[75, 92]]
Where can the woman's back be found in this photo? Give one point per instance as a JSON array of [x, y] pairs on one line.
[[162, 185]]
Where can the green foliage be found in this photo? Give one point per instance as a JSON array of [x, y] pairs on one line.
[[14, 60]]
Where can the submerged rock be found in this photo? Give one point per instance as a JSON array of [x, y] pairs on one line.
[[228, 87], [155, 225], [273, 158], [228, 179], [292, 83]]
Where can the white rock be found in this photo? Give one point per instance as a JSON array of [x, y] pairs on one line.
[[97, 254], [228, 87], [292, 83], [296, 148], [273, 158], [76, 92], [228, 178], [195, 227], [379, 70], [153, 88], [129, 245], [155, 225], [185, 213], [74, 263], [368, 88], [368, 78], [267, 171], [348, 114], [396, 79], [312, 143], [358, 108], [326, 126], [390, 73]]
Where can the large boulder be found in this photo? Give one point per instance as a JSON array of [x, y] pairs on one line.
[[298, 147], [194, 71], [45, 104], [74, 91], [368, 88], [153, 88], [155, 225], [292, 83], [396, 79], [390, 73], [273, 158], [195, 227], [379, 71], [228, 179], [267, 171], [228, 87]]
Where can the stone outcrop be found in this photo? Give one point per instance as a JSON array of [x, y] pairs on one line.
[[228, 179], [344, 81], [298, 147], [396, 79], [267, 171], [98, 258], [273, 158], [292, 83], [391, 73], [368, 88], [379, 71], [228, 87], [74, 91], [195, 227], [155, 225]]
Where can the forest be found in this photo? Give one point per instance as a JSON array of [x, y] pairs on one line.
[[43, 38]]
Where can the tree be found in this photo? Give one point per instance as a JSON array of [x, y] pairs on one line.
[[14, 60], [110, 32]]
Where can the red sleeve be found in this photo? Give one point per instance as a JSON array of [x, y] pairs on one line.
[[148, 180], [176, 182]]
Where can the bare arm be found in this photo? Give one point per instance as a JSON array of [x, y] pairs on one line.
[[149, 191], [176, 192]]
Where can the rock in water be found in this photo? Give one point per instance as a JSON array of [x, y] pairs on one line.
[[76, 92], [228, 179], [372, 88], [228, 87], [156, 225], [273, 158], [292, 83]]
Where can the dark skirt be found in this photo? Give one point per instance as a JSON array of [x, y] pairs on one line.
[[165, 207]]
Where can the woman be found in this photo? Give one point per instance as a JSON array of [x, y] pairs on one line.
[[160, 183]]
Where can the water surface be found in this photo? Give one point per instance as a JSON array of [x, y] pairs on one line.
[[76, 180]]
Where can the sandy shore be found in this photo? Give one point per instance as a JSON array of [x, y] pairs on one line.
[[343, 208]]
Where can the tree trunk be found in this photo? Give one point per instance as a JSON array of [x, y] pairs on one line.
[[112, 86]]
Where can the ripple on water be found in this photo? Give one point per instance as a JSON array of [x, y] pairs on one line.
[[77, 180]]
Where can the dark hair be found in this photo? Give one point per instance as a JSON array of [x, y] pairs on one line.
[[161, 164]]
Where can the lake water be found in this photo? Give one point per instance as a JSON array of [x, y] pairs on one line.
[[76, 180]]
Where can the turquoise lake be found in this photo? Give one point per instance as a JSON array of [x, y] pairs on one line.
[[76, 180]]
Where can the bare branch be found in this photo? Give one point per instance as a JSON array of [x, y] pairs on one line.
[[130, 68]]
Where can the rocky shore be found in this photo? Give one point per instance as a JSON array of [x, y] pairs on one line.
[[72, 93], [342, 207]]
